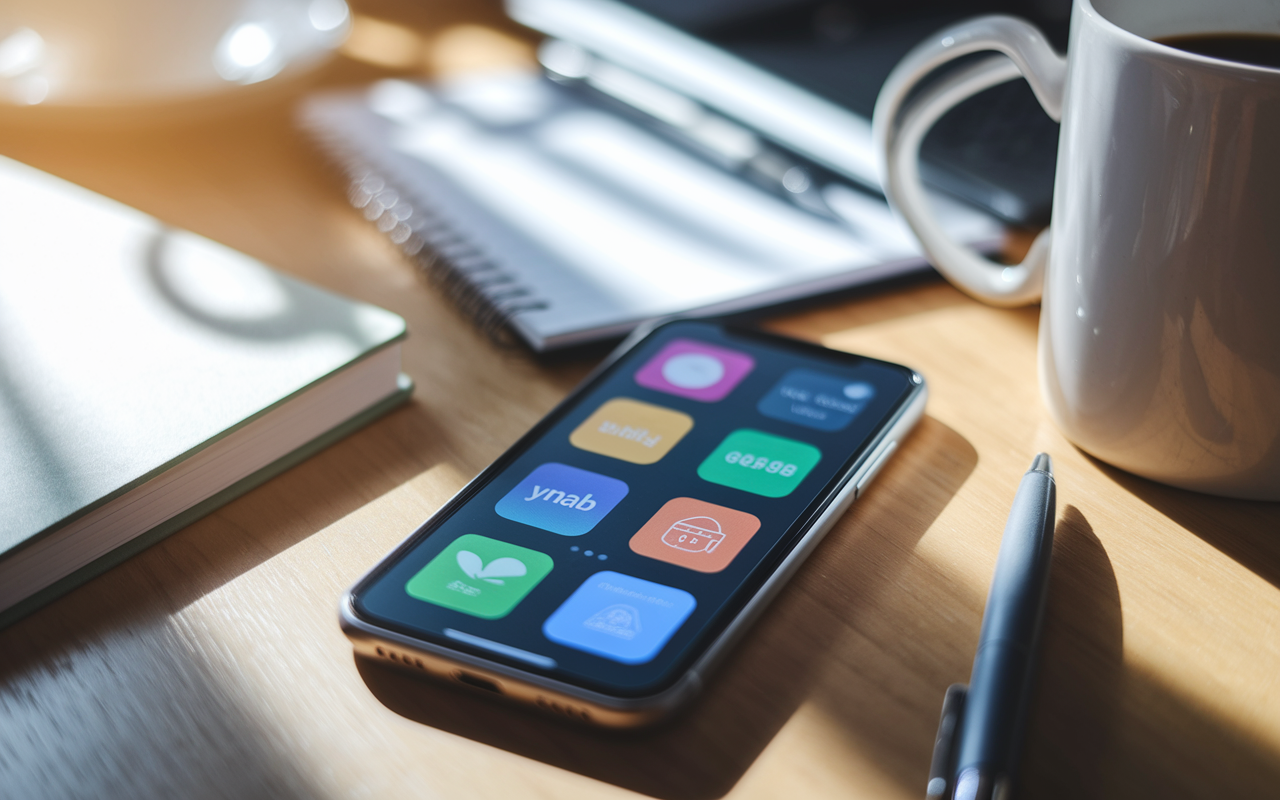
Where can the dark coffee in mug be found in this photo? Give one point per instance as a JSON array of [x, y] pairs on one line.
[[1247, 48]]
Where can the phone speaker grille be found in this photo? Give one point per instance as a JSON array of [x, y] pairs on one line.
[[401, 658], [573, 712]]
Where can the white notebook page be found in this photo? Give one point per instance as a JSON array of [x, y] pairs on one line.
[[595, 222]]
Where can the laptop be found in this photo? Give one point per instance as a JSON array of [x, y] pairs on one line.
[[782, 90]]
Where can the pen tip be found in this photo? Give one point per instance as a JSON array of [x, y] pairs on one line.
[[1042, 463]]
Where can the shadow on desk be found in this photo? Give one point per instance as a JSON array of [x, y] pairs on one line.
[[1243, 530], [1102, 728], [780, 665], [1073, 713]]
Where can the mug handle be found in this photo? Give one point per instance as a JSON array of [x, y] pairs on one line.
[[902, 119]]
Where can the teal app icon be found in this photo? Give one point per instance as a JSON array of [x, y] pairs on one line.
[[760, 463]]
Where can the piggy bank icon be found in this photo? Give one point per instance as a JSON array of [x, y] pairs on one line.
[[694, 535]]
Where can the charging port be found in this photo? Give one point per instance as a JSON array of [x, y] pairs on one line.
[[478, 682]]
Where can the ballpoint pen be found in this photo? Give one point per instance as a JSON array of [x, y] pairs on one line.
[[943, 764], [985, 749]]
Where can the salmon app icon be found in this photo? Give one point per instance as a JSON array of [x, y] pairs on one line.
[[696, 535]]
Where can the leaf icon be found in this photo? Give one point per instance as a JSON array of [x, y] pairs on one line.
[[501, 568], [471, 563]]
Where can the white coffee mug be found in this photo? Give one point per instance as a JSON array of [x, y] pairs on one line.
[[1160, 317]]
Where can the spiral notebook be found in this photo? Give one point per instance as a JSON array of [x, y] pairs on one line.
[[563, 222]]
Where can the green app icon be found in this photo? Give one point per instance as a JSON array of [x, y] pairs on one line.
[[760, 463], [480, 576]]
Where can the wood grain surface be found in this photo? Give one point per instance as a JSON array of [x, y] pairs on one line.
[[212, 666]]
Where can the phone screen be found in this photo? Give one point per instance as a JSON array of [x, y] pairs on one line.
[[610, 545]]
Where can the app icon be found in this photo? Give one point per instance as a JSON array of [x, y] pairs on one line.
[[562, 499], [815, 400], [619, 617], [760, 463], [641, 433], [480, 576], [690, 533], [695, 370]]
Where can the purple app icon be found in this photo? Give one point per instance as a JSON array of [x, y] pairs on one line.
[[696, 370]]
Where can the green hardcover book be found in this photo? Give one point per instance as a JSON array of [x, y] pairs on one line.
[[148, 376]]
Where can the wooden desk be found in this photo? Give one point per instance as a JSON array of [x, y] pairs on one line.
[[212, 664]]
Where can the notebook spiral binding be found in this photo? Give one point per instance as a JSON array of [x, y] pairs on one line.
[[474, 283]]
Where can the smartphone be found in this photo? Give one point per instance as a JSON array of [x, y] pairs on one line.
[[607, 561]]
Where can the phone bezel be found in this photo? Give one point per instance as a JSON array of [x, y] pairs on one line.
[[368, 631]]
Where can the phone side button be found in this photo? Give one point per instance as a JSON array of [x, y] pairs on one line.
[[842, 502], [875, 467]]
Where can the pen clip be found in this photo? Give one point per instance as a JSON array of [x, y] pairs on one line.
[[946, 743]]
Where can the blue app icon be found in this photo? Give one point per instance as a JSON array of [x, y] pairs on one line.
[[562, 499], [619, 617], [815, 400]]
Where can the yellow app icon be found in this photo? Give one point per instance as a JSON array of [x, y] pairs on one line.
[[631, 431]]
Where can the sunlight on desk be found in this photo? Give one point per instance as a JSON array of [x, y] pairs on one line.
[[211, 664]]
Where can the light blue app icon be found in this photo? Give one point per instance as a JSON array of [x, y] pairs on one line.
[[619, 617], [815, 400], [562, 499]]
